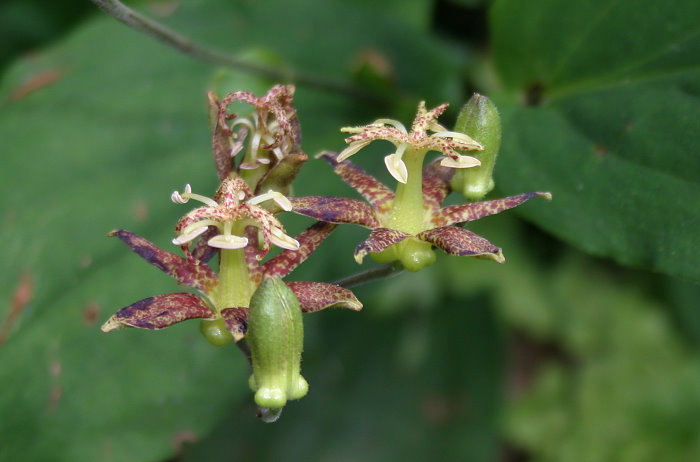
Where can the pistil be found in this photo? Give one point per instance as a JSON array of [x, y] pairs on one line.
[[407, 212], [235, 287]]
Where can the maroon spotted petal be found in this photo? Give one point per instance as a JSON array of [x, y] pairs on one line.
[[309, 240], [187, 271], [225, 145], [335, 210], [373, 191], [236, 320], [316, 296], [461, 242], [436, 184], [221, 146], [280, 176], [378, 240], [201, 250], [159, 312], [475, 210], [252, 254]]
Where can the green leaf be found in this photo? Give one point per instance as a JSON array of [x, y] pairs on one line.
[[597, 370], [600, 106]]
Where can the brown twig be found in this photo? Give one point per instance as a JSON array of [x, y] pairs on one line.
[[141, 23]]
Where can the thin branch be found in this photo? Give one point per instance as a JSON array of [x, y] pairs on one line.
[[373, 274], [244, 346], [141, 23]]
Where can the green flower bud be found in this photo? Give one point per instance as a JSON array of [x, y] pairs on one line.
[[276, 338], [478, 119]]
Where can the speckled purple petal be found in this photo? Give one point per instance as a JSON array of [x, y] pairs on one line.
[[436, 184], [201, 250], [224, 146], [280, 176], [316, 296], [187, 271], [335, 210], [461, 242], [373, 191], [287, 261], [475, 210], [159, 312], [378, 240], [252, 252]]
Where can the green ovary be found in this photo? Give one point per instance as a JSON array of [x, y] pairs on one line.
[[413, 254], [233, 290], [215, 331]]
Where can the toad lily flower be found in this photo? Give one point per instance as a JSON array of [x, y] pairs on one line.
[[402, 233], [412, 147], [238, 223], [273, 156], [230, 212]]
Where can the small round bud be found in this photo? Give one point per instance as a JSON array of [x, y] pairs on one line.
[[215, 331], [416, 255]]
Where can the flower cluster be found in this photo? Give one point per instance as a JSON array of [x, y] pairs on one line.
[[257, 157]]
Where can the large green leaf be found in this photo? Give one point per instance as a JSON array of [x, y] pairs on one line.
[[598, 371], [600, 106]]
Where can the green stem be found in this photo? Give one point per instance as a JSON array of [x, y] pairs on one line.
[[407, 212], [370, 275], [141, 23]]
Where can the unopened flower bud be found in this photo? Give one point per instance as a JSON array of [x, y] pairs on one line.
[[276, 338], [480, 120]]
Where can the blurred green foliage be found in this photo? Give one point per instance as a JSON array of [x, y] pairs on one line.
[[582, 347]]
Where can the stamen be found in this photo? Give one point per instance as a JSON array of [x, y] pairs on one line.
[[276, 196], [354, 147], [466, 141], [230, 241], [181, 198], [397, 167], [277, 152], [280, 239], [248, 166], [254, 146], [197, 224], [460, 162], [435, 126], [242, 121], [359, 129], [394, 123], [187, 195], [184, 238]]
